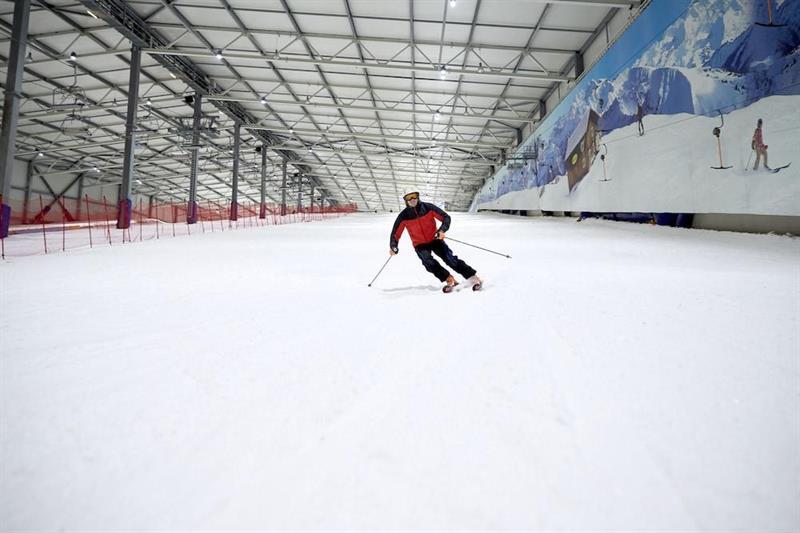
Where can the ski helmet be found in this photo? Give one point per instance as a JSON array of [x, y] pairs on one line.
[[411, 196]]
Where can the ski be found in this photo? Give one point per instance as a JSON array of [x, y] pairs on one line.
[[457, 287], [778, 169], [449, 288]]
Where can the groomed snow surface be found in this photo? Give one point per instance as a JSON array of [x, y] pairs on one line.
[[610, 377]]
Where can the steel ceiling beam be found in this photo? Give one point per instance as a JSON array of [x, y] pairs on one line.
[[380, 64], [389, 79], [381, 39], [377, 136], [481, 113], [267, 12]]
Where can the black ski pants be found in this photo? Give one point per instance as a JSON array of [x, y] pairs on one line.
[[425, 253]]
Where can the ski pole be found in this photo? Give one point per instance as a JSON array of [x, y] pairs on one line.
[[379, 272], [478, 247], [747, 166]]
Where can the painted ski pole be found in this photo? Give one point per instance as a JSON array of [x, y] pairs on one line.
[[379, 271], [478, 247]]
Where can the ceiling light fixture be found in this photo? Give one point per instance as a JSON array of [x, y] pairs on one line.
[[452, 3], [443, 72], [481, 68], [92, 14], [437, 115], [73, 56], [219, 54]]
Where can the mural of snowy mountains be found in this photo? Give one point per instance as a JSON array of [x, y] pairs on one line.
[[694, 38], [715, 57]]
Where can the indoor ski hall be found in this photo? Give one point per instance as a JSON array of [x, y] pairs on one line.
[[400, 265]]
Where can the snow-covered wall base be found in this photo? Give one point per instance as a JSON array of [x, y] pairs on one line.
[[748, 223]]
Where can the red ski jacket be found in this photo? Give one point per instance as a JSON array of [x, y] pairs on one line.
[[420, 222], [758, 140]]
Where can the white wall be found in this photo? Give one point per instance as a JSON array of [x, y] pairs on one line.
[[93, 187], [19, 171]]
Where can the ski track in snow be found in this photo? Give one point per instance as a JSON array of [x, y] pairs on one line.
[[608, 377]]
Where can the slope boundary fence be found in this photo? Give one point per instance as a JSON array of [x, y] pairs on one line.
[[45, 226]]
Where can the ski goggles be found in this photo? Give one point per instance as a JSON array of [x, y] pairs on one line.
[[411, 196]]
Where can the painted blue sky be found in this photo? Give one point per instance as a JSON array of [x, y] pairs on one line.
[[650, 25]]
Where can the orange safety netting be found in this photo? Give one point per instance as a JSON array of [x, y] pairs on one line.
[[47, 225]]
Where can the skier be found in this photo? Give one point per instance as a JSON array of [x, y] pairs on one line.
[[758, 145], [418, 218], [639, 117]]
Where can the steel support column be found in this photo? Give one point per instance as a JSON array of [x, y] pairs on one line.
[[299, 192], [283, 189], [262, 210], [124, 207], [13, 88], [311, 198], [80, 195], [27, 198], [191, 209], [237, 140]]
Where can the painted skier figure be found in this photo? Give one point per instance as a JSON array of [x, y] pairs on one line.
[[759, 146], [419, 218], [640, 117]]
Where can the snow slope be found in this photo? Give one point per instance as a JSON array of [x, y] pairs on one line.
[[609, 377]]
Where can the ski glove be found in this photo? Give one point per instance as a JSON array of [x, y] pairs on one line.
[[440, 235], [393, 250]]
